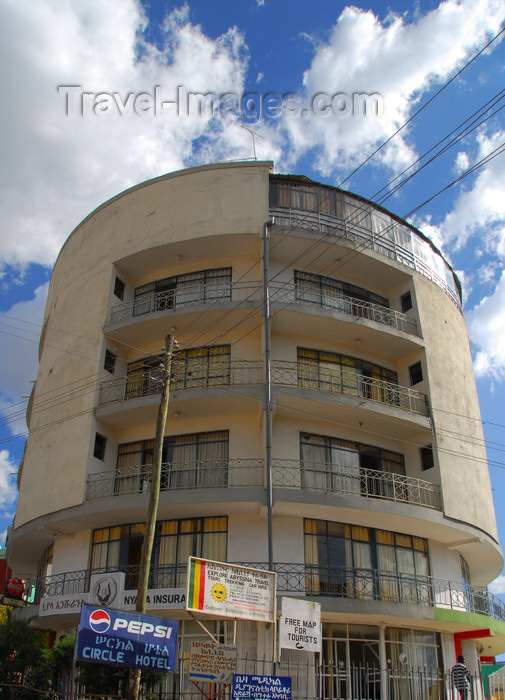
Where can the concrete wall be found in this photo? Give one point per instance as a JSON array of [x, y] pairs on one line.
[[198, 204]]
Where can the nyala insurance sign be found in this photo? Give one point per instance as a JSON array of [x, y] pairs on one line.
[[114, 637]]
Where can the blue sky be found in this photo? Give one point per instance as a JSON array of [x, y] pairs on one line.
[[56, 168]]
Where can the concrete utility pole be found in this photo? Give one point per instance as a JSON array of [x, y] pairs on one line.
[[154, 497]]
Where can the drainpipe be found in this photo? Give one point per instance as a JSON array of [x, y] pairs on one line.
[[268, 391]]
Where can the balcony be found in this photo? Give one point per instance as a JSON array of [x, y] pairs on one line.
[[250, 473], [303, 579], [186, 296], [287, 293], [292, 374], [280, 292], [396, 241]]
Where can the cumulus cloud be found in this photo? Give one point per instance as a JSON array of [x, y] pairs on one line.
[[498, 585], [486, 323], [8, 490], [55, 168], [398, 60], [480, 207]]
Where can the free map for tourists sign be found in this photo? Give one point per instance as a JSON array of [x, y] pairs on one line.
[[227, 590], [113, 637]]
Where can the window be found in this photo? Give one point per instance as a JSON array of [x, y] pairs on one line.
[[346, 375], [119, 287], [416, 649], [194, 288], [198, 460], [144, 377], [416, 374], [344, 466], [99, 448], [109, 362], [331, 293], [200, 367], [361, 562], [406, 301], [195, 367], [306, 196], [426, 457], [118, 548]]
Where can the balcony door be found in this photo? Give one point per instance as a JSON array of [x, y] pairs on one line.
[[197, 460]]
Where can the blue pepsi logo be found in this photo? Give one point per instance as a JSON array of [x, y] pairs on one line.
[[99, 621]]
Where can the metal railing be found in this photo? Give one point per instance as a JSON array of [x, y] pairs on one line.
[[247, 473], [307, 293], [306, 579], [225, 373], [385, 242], [198, 474], [340, 380], [281, 292], [305, 375], [311, 679], [186, 295]]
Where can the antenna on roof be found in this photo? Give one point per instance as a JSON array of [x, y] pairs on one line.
[[253, 134]]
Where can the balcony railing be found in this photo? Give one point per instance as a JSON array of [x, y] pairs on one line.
[[281, 292], [330, 299], [345, 380], [250, 473], [186, 295], [305, 375], [225, 373], [305, 579], [411, 250]]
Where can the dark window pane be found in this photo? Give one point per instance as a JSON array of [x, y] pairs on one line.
[[99, 448], [416, 373], [119, 287]]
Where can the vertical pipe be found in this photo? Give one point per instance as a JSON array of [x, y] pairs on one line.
[[268, 392]]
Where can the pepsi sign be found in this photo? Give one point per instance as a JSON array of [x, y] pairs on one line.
[[114, 637]]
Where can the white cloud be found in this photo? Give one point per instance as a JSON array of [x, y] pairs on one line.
[[498, 585], [462, 162], [480, 209], [8, 490], [395, 59], [486, 324], [55, 168]]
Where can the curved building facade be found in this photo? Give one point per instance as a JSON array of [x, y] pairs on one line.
[[337, 442]]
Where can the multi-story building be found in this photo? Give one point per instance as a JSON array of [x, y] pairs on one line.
[[323, 422]]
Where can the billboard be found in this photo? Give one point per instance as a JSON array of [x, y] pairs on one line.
[[227, 590], [113, 637], [212, 662]]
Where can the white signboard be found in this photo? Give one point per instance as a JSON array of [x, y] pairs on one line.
[[300, 625], [212, 662], [157, 599], [107, 590], [217, 588], [62, 604]]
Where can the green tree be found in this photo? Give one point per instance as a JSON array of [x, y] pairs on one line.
[[21, 648]]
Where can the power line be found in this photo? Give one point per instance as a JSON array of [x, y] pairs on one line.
[[444, 86]]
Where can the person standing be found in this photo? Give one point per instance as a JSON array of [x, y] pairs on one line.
[[460, 675]]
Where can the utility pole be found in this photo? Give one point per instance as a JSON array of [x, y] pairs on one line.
[[154, 497]]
